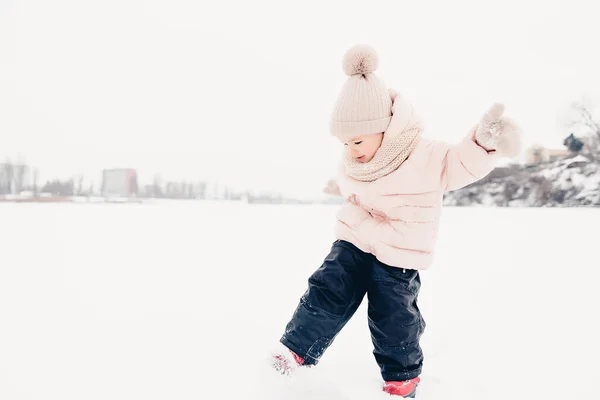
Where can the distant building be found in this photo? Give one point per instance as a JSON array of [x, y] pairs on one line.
[[120, 182], [538, 155]]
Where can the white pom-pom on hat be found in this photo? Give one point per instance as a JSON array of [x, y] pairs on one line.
[[360, 59]]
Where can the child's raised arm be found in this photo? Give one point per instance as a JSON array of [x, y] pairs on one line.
[[475, 156]]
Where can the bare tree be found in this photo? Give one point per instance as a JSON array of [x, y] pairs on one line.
[[59, 188], [35, 182], [79, 186], [583, 117], [20, 173], [12, 177], [20, 178], [157, 187], [6, 177]]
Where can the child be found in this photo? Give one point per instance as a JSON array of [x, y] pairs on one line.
[[393, 181]]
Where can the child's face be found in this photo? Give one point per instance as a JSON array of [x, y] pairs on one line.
[[363, 148]]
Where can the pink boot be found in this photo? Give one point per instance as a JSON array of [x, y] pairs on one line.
[[405, 389]]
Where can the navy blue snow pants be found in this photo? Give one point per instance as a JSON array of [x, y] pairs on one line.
[[336, 290]]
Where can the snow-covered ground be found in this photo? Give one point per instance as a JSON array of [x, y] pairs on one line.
[[183, 300]]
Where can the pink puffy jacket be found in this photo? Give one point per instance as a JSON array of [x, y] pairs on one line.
[[396, 217]]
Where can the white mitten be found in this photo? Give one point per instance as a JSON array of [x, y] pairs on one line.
[[495, 132], [332, 188]]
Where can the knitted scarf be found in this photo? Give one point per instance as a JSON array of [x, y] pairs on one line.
[[399, 140]]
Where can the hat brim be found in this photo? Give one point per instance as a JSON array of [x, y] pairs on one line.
[[346, 130]]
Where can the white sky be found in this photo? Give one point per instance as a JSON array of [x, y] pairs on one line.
[[241, 91]]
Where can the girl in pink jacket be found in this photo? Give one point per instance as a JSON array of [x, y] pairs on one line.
[[393, 181]]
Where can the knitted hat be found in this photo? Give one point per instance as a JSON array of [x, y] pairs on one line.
[[364, 105]]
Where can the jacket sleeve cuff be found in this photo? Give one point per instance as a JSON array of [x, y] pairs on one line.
[[477, 160]]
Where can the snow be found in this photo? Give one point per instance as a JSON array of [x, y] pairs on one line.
[[184, 300], [570, 182], [579, 158]]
